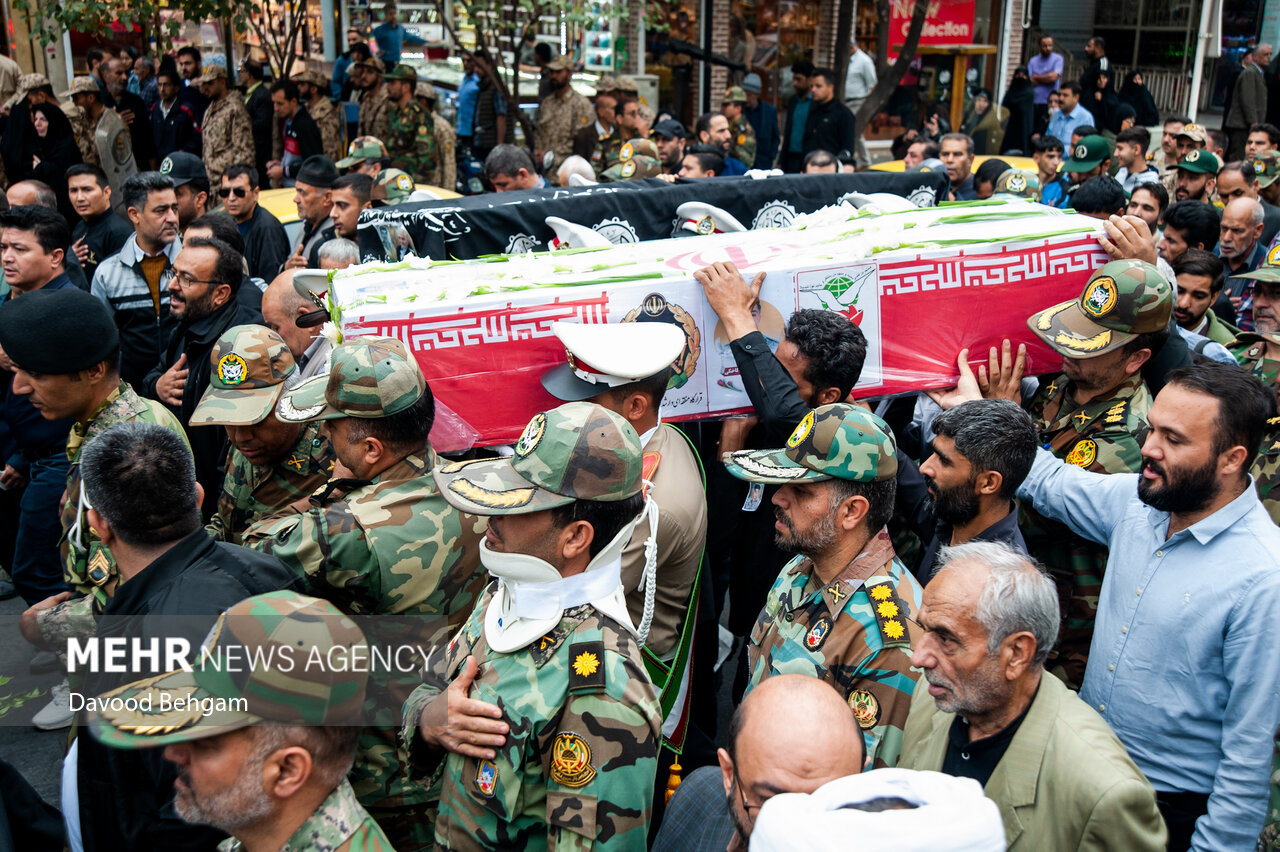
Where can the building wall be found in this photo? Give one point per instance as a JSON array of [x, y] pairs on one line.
[[719, 22]]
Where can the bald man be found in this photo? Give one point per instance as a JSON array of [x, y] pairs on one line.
[[281, 307], [36, 192], [791, 734]]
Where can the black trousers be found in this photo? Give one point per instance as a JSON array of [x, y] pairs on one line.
[[1180, 812]]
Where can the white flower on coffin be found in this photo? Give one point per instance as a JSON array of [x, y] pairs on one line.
[[331, 333]]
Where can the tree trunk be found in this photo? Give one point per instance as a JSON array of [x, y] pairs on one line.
[[883, 13], [890, 78], [845, 11]]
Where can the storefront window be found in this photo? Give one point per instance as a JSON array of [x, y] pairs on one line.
[[668, 23]]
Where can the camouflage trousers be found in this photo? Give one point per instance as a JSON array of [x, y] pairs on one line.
[[410, 827]]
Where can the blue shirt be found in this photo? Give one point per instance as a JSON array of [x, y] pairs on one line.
[[468, 91], [1038, 65], [764, 121], [391, 40], [733, 166], [340, 66], [1062, 125], [1184, 664], [1054, 193]]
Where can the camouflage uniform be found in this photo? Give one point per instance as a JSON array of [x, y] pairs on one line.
[[88, 568], [375, 112], [591, 698], [446, 173], [577, 768], [1269, 839], [1121, 299], [559, 118], [608, 151], [327, 118], [1266, 469], [83, 131], [855, 631], [293, 695], [250, 492], [411, 143], [391, 545], [228, 137], [743, 144], [1250, 351]]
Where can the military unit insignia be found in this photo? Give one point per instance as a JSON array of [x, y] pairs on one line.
[[586, 667], [404, 182], [865, 707], [802, 430], [130, 717], [99, 566], [706, 225], [742, 139], [1017, 183], [1258, 168], [166, 165], [232, 370], [1080, 152], [626, 152], [1102, 296], [1083, 454], [486, 778], [531, 436], [628, 168], [1273, 255], [817, 635], [836, 594], [571, 761], [1193, 155]]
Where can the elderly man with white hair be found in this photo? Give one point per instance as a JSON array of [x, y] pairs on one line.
[[575, 165], [985, 710]]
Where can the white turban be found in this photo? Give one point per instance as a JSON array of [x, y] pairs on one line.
[[951, 815]]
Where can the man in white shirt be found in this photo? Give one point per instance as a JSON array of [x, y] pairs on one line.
[[859, 80]]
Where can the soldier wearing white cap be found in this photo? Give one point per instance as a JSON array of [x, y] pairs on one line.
[[626, 367]]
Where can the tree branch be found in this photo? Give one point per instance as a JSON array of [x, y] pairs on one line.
[[889, 80]]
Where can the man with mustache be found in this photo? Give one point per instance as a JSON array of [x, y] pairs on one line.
[[986, 710], [1258, 351], [1182, 665], [982, 451], [843, 608]]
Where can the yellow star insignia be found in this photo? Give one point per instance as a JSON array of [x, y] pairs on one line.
[[893, 629], [887, 609], [586, 664], [881, 593]]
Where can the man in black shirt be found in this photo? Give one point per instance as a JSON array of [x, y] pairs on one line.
[[265, 243], [830, 126], [301, 135], [100, 233]]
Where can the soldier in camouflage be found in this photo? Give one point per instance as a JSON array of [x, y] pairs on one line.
[[226, 131], [742, 142], [375, 108], [412, 140], [1258, 351], [538, 723], [446, 173], [313, 91], [843, 609], [380, 538], [560, 115], [1269, 840], [1094, 415], [271, 464], [1015, 183], [313, 707]]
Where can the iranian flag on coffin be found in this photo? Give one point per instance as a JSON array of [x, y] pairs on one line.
[[921, 285]]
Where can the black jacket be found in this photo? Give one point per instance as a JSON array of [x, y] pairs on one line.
[[302, 129], [140, 131], [266, 246], [263, 119], [189, 94], [176, 131], [830, 128], [196, 341], [126, 796], [104, 234]]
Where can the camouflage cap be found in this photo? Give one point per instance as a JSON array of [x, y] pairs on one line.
[[837, 441], [364, 148], [1201, 162], [392, 185], [248, 368], [373, 63], [424, 90], [315, 78], [1266, 167], [628, 85], [735, 95], [579, 451], [211, 73], [560, 63], [636, 168], [369, 377], [641, 147], [1016, 183], [1122, 299], [1087, 155], [606, 83], [82, 86], [277, 626], [1270, 268], [1195, 133], [27, 84], [402, 72]]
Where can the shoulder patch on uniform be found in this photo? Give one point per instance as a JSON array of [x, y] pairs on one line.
[[486, 778], [1083, 453], [571, 760], [817, 635], [586, 667], [890, 611], [99, 566], [865, 707], [649, 467]]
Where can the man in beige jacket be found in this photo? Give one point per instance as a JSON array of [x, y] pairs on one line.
[[985, 710]]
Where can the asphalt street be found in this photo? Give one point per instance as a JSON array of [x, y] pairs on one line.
[[37, 755]]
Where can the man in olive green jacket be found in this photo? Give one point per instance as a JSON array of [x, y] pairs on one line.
[[985, 710]]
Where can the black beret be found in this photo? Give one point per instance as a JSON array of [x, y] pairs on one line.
[[57, 331], [319, 171]]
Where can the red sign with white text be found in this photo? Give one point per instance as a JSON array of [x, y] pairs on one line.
[[948, 23]]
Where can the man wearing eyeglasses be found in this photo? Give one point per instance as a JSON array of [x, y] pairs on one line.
[[202, 298], [266, 246]]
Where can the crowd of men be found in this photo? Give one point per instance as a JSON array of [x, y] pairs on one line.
[[1029, 612]]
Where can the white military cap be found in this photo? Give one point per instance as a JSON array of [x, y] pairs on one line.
[[608, 355], [702, 219]]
